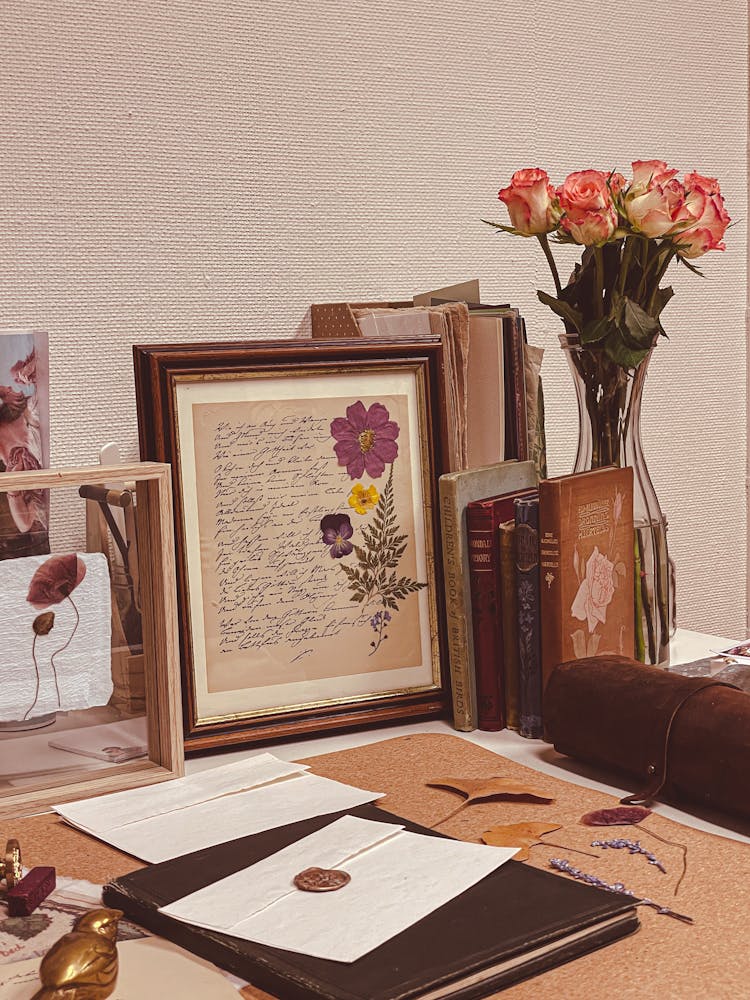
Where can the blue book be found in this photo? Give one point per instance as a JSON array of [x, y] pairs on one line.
[[529, 620]]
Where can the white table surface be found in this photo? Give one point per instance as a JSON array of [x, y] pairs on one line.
[[536, 754]]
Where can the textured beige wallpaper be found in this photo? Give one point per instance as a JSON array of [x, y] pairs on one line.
[[186, 169]]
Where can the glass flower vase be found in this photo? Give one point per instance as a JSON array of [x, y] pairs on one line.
[[609, 414]]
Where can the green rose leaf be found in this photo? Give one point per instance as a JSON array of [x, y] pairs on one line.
[[567, 312], [619, 351], [642, 329], [595, 331], [662, 296]]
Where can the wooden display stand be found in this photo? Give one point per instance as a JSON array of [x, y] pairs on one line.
[[147, 678]]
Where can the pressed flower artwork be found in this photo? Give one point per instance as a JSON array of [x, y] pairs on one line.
[[56, 634], [311, 550], [366, 439]]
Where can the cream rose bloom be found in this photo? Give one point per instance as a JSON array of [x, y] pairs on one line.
[[529, 199], [655, 202]]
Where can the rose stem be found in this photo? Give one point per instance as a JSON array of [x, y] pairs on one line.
[[672, 843], [70, 639], [36, 667]]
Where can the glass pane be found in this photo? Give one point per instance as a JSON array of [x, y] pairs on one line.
[[73, 697]]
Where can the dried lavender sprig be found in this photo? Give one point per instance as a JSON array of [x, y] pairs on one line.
[[563, 865], [633, 846]]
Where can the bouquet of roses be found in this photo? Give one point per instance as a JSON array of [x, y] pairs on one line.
[[632, 231]]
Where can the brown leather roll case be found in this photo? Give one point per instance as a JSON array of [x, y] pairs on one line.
[[685, 739]]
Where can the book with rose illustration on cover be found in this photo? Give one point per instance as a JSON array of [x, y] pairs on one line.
[[586, 565]]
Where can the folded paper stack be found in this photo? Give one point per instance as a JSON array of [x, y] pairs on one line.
[[209, 807], [684, 739]]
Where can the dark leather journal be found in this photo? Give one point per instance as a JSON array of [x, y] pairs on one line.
[[513, 924]]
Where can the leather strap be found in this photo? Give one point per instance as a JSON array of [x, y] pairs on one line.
[[659, 768]]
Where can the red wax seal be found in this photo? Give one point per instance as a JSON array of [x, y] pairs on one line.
[[321, 879]]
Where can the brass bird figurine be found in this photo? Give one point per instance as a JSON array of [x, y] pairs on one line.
[[82, 965]]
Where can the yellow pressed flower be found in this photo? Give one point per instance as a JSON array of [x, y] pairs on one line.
[[362, 499]]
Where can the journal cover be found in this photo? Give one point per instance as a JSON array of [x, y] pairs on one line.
[[587, 556], [513, 924]]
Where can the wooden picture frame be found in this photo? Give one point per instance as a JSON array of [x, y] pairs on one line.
[[33, 773], [243, 679]]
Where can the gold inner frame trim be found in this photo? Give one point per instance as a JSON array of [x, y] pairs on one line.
[[286, 370]]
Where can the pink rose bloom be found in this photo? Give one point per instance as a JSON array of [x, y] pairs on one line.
[[24, 372], [616, 182], [707, 215], [530, 202], [589, 213], [595, 592], [655, 202]]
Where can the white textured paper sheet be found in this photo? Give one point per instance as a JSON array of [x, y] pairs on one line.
[[397, 878], [161, 822], [107, 812], [74, 658]]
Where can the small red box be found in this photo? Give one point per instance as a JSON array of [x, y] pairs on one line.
[[32, 890]]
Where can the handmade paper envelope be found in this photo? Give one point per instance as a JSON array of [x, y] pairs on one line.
[[397, 878], [55, 635]]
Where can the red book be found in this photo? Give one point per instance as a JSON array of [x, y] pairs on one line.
[[483, 520]]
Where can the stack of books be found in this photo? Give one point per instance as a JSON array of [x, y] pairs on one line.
[[536, 573]]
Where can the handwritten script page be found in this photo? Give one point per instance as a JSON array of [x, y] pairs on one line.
[[283, 530]]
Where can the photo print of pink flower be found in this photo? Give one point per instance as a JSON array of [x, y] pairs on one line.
[[365, 443]]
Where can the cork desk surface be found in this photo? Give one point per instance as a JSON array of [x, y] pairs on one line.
[[664, 958]]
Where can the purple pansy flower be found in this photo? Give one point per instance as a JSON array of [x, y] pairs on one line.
[[365, 439], [337, 530]]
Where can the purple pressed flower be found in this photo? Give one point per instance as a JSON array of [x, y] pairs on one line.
[[337, 530], [365, 439]]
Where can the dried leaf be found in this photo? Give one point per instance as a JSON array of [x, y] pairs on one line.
[[523, 835], [476, 789], [617, 816]]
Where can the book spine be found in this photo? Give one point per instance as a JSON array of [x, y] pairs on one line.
[[455, 611], [529, 623], [517, 435], [551, 593], [509, 616], [484, 578]]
